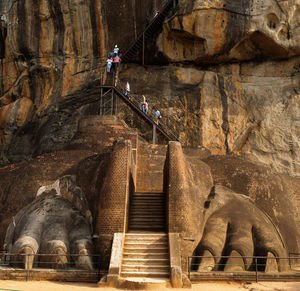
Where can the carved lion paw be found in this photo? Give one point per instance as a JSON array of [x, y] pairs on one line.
[[56, 223]]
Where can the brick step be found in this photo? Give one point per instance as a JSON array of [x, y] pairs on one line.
[[143, 268], [161, 274]]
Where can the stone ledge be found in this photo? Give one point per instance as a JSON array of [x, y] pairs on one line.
[[8, 273]]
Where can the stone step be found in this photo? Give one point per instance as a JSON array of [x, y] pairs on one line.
[[155, 224], [154, 219], [147, 199], [143, 268], [150, 261], [147, 228], [146, 249], [148, 215], [160, 274], [143, 244], [146, 255], [148, 194], [146, 235], [148, 207], [147, 202]]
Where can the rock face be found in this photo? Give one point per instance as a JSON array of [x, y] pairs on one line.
[[52, 55], [224, 74], [248, 109], [224, 30], [230, 210], [51, 64]]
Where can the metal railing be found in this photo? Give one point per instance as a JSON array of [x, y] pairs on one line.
[[257, 265], [154, 24], [27, 264], [138, 103]]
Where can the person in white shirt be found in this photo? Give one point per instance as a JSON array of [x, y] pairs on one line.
[[116, 51], [127, 90]]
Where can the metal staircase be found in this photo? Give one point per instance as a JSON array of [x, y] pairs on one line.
[[154, 25], [110, 91], [108, 106]]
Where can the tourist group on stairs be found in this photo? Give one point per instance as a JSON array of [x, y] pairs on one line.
[[113, 60]]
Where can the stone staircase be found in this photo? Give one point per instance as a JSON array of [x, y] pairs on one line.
[[146, 245], [146, 255], [147, 212]]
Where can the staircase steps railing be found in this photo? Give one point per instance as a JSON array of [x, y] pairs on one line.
[[168, 134]]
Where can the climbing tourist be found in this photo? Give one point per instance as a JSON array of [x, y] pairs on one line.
[[157, 116], [141, 105], [127, 90], [109, 64], [116, 51], [117, 61], [146, 107]]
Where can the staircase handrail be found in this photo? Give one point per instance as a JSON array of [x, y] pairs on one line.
[[136, 108], [137, 104], [153, 20]]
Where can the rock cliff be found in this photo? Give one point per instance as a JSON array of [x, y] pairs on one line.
[[225, 74]]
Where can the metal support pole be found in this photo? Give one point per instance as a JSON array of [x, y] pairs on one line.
[[189, 269], [101, 102], [27, 258], [154, 134], [143, 48], [112, 101], [256, 274]]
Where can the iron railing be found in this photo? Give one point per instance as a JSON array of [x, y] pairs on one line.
[[256, 266], [154, 24], [60, 263], [138, 103]]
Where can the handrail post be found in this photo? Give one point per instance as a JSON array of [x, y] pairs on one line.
[[143, 48], [154, 134], [27, 258], [112, 101], [256, 274], [189, 269]]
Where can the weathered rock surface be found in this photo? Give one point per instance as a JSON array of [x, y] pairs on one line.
[[235, 208], [224, 30], [52, 52], [51, 64], [248, 109]]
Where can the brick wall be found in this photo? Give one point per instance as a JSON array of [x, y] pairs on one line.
[[114, 199], [185, 196], [150, 167]]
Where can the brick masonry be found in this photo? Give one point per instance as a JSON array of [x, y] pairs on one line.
[[114, 200]]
